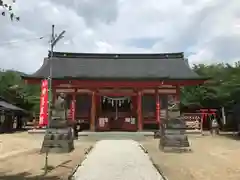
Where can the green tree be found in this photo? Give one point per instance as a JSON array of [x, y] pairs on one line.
[[222, 89], [13, 88], [7, 9]]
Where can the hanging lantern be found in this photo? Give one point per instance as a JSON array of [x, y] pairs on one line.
[[104, 99], [112, 103], [120, 103]]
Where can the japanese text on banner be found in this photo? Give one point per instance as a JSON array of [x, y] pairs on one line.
[[72, 111], [43, 119]]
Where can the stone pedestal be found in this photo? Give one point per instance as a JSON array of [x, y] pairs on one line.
[[174, 135], [58, 138]]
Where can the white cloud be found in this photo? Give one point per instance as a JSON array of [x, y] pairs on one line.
[[206, 30]]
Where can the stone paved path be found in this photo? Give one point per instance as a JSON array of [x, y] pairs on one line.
[[118, 160]]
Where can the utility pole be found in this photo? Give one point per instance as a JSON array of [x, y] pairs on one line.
[[54, 39], [53, 42]]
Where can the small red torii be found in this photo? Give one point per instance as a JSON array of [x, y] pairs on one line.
[[206, 112]]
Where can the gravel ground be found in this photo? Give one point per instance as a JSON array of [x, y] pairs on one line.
[[109, 160], [212, 158], [18, 143], [20, 158]]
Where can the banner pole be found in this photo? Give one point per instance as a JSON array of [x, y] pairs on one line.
[[53, 41]]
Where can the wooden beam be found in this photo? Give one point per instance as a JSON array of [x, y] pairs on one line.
[[161, 91], [84, 91], [117, 83], [65, 90], [115, 94]]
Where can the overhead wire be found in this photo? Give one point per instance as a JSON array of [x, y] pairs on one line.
[[31, 39], [23, 40]]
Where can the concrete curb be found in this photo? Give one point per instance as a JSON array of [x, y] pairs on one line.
[[71, 176], [159, 170], [86, 133], [155, 165]]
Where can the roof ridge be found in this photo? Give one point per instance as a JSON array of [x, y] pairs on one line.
[[179, 55]]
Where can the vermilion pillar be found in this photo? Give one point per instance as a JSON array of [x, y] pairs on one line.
[[178, 92], [204, 114], [93, 112], [54, 94], [139, 111], [157, 107], [213, 112], [73, 107]]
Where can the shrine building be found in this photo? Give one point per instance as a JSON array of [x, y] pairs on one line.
[[117, 91]]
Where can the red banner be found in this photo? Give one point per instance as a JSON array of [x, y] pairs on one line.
[[72, 111], [43, 119]]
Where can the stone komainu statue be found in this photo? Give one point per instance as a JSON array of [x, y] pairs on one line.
[[60, 108], [173, 132], [59, 113], [59, 137]]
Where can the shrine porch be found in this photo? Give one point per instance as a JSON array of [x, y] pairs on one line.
[[118, 109]]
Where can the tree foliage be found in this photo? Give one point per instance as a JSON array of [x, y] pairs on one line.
[[13, 88], [222, 90], [8, 10]]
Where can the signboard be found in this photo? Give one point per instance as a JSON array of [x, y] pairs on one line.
[[71, 114], [163, 114], [192, 120], [43, 119], [102, 122], [132, 120]]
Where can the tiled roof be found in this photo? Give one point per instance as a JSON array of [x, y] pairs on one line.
[[6, 105], [116, 66]]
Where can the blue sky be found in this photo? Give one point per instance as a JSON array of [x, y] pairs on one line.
[[208, 31]]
